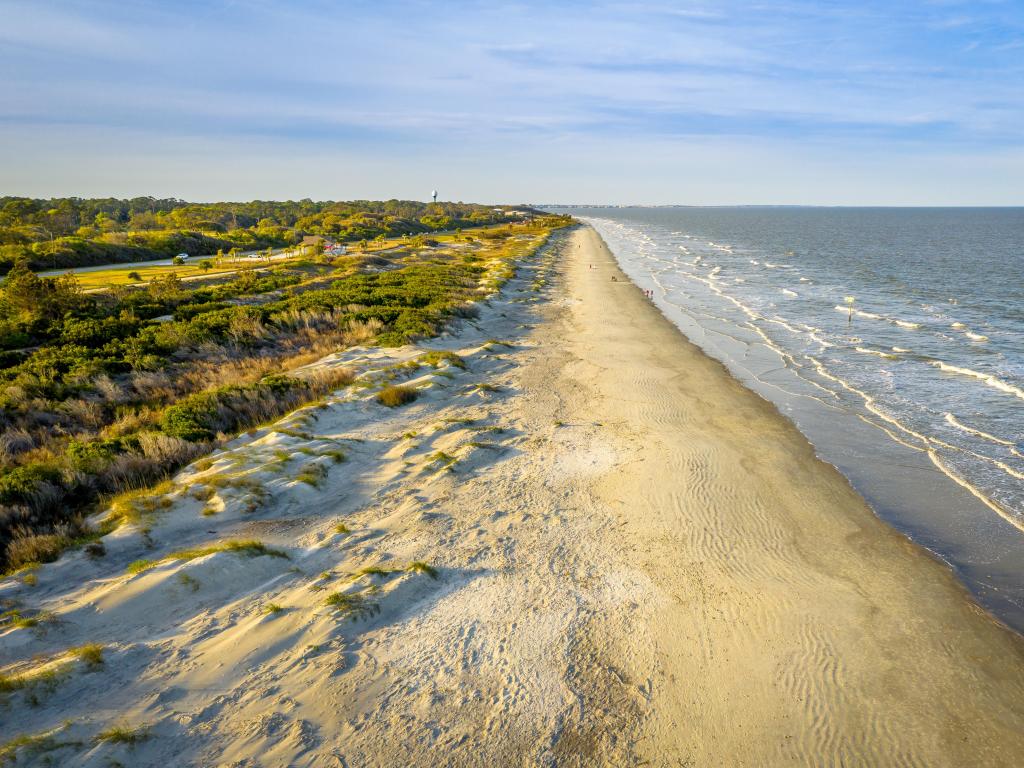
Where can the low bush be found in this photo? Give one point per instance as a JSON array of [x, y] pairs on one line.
[[106, 392], [437, 357], [122, 734], [395, 396]]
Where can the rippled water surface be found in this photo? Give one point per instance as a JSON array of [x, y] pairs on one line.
[[910, 321]]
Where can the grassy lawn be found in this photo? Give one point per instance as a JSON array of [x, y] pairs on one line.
[[118, 275]]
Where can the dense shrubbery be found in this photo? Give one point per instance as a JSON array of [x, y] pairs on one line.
[[118, 248], [111, 391], [204, 415], [66, 232]]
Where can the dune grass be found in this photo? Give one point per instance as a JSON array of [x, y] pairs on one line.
[[444, 460], [33, 745], [52, 671], [188, 581], [395, 396], [374, 570], [248, 548], [177, 412], [348, 604], [313, 475], [437, 357], [421, 567], [122, 734], [14, 618], [90, 654]]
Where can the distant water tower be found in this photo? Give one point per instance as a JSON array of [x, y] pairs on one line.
[[434, 195]]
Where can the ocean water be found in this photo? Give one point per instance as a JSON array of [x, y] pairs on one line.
[[894, 338]]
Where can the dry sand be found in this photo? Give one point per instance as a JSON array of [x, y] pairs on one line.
[[638, 562]]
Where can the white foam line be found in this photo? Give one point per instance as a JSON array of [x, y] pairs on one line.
[[877, 353], [952, 420], [989, 379], [869, 402], [873, 316], [892, 435], [1013, 520]]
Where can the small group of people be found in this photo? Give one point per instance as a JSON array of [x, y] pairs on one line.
[[648, 293]]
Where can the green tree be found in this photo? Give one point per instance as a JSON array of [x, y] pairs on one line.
[[25, 294]]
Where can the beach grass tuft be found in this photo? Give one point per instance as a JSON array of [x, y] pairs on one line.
[[348, 604], [312, 475], [33, 745], [90, 654], [189, 581], [122, 734], [421, 567], [444, 460], [395, 396], [374, 570], [14, 618], [248, 548], [437, 357]]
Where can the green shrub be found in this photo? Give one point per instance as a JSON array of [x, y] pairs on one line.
[[21, 484], [121, 734], [395, 396], [420, 567], [91, 654], [436, 357]]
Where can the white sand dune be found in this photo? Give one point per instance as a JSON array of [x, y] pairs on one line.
[[626, 558]]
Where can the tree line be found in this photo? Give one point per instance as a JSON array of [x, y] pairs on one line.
[[68, 232]]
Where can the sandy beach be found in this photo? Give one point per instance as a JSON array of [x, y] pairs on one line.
[[585, 544]]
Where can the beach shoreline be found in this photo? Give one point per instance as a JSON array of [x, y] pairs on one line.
[[875, 421], [584, 543], [762, 487]]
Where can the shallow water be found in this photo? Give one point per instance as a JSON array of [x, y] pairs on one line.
[[894, 338]]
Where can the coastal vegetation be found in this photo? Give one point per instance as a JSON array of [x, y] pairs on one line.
[[105, 393], [395, 396], [71, 232]]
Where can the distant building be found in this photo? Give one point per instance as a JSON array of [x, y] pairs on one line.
[[310, 241]]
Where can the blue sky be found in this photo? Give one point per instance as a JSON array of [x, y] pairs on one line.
[[780, 101]]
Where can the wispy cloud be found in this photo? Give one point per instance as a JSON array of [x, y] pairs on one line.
[[473, 79]]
